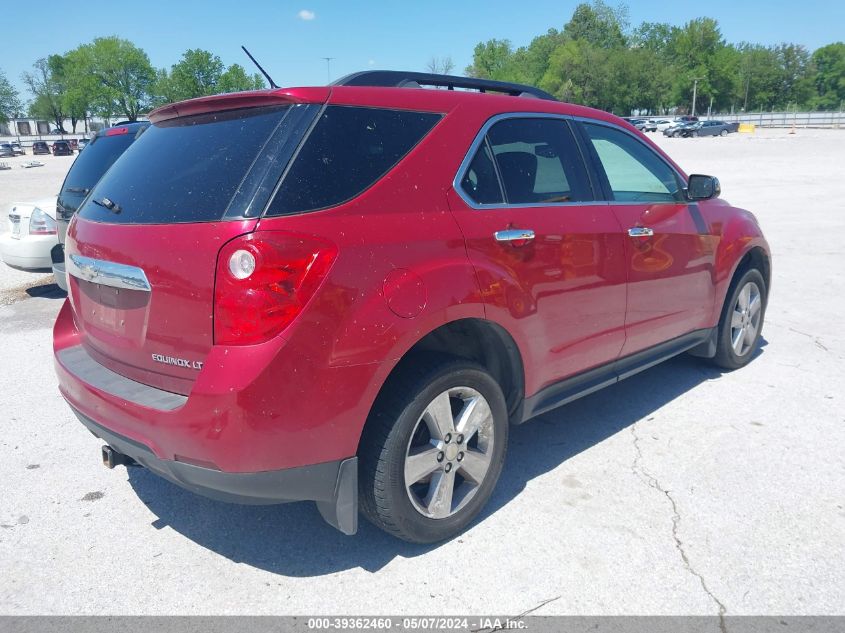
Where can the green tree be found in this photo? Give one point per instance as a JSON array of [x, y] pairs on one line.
[[10, 104], [758, 76], [74, 95], [598, 24], [701, 62], [46, 93], [491, 60], [119, 75], [654, 36], [236, 79], [829, 77], [196, 74], [796, 83], [578, 72]]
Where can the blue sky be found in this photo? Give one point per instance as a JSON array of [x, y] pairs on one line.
[[290, 39]]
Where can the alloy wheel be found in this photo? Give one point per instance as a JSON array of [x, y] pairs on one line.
[[745, 319], [449, 452]]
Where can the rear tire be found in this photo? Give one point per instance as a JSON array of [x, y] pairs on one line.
[[421, 479], [741, 323], [723, 133]]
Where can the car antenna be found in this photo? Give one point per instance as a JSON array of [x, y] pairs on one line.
[[263, 72]]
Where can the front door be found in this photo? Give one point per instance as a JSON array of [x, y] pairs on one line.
[[669, 249]]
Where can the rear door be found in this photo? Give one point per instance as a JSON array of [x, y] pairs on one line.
[[669, 249], [549, 258], [141, 251]]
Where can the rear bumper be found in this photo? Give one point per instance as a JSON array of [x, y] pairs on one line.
[[57, 256], [333, 485], [31, 252]]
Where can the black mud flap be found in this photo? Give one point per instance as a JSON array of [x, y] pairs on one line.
[[341, 512]]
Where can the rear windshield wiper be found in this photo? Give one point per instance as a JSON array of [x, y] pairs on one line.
[[82, 190], [108, 204]]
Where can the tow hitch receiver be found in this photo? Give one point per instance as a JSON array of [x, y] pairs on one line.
[[112, 458]]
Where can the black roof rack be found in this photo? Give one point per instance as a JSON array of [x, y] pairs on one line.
[[402, 79]]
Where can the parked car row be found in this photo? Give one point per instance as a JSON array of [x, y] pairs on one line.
[[64, 147], [701, 128], [655, 125], [684, 126], [7, 150]]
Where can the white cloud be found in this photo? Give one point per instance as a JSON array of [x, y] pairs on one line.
[[372, 62], [306, 15]]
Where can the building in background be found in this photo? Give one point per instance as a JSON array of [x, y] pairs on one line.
[[28, 129]]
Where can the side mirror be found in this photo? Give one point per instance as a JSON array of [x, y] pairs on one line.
[[701, 187]]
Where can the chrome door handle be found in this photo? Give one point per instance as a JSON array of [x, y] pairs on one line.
[[514, 235], [640, 231]]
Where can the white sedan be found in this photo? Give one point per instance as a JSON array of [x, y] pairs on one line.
[[32, 234], [658, 125]]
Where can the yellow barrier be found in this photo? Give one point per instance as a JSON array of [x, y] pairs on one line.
[[747, 128]]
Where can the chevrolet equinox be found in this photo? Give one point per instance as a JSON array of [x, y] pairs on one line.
[[347, 293]]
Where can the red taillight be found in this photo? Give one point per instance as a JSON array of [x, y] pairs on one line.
[[117, 131], [286, 271]]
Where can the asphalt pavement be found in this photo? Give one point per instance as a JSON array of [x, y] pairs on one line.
[[682, 490]]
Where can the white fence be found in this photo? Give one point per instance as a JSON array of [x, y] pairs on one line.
[[787, 119]]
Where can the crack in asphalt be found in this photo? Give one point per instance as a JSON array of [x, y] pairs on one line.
[[816, 339], [652, 482]]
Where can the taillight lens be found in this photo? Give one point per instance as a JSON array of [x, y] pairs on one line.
[[41, 224], [264, 280]]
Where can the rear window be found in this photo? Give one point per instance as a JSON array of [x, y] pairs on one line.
[[182, 170], [348, 150], [89, 167]]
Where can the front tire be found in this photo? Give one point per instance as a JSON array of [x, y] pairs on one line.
[[741, 323], [433, 449], [723, 133]]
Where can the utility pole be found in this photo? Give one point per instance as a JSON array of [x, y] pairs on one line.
[[747, 84], [694, 93], [328, 69]]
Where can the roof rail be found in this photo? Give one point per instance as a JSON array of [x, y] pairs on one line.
[[403, 79]]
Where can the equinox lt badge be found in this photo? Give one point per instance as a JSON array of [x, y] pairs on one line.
[[179, 362]]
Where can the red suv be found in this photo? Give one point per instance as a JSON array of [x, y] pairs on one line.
[[346, 293]]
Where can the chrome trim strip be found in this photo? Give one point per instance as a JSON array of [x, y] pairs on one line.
[[112, 274]]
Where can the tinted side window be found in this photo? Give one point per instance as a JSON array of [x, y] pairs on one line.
[[635, 173], [183, 170], [539, 161], [349, 149], [480, 181]]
